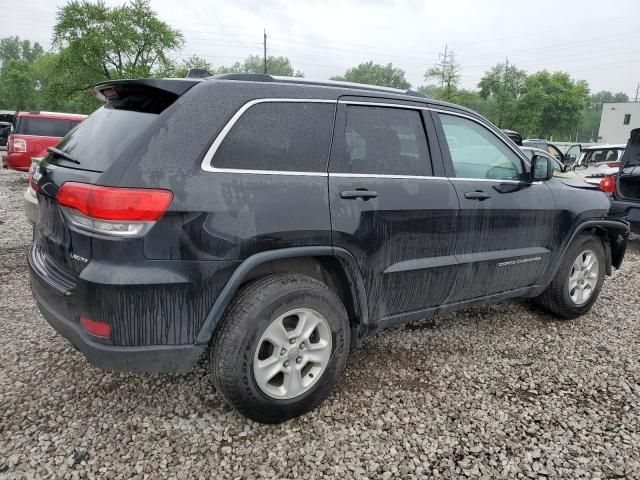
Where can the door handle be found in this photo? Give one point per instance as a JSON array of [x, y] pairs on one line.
[[477, 195], [353, 194]]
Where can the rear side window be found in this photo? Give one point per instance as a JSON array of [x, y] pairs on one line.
[[43, 127], [385, 141], [281, 136]]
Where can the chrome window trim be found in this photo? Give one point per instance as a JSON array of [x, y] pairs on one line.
[[381, 175], [206, 164]]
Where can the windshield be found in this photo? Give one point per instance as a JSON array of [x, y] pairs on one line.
[[103, 137]]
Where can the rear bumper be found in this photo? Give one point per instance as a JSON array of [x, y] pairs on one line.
[[629, 211], [18, 161], [152, 359]]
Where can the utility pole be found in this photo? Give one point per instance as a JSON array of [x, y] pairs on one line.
[[444, 65], [637, 91], [265, 52]]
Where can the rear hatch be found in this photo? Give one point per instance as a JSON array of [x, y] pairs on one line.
[[68, 237], [629, 175]]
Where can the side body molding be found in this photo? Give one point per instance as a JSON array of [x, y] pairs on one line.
[[237, 278]]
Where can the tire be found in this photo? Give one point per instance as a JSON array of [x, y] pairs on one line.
[[259, 311], [557, 298]]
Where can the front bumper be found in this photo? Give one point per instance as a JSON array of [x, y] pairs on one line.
[[152, 359]]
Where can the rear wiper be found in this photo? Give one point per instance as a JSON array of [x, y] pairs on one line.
[[59, 153]]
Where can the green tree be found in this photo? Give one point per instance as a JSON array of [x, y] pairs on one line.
[[12, 48], [447, 77], [503, 84], [376, 74], [551, 105], [19, 85], [114, 42], [255, 64]]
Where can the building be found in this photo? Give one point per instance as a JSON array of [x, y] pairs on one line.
[[617, 121]]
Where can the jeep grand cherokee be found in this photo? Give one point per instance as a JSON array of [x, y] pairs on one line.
[[272, 223]]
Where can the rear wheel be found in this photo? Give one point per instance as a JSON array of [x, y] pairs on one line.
[[579, 279], [281, 345]]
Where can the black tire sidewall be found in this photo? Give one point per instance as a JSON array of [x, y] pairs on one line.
[[256, 320]]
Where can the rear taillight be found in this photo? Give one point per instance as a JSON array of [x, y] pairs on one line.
[[113, 210], [613, 164], [19, 145], [35, 161], [98, 329], [608, 184]]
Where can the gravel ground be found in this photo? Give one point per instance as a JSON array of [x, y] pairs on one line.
[[494, 392]]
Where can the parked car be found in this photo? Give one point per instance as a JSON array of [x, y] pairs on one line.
[[598, 161], [625, 186], [30, 198], [513, 135], [34, 132], [298, 217], [559, 169], [567, 158], [5, 129]]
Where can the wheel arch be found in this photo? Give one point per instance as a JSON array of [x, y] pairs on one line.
[[614, 235], [334, 266]]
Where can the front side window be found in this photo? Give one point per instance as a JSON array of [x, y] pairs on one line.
[[477, 153], [385, 141], [281, 136]]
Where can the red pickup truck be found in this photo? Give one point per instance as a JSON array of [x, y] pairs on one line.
[[34, 132]]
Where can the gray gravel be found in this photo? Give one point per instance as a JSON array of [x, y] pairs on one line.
[[494, 392]]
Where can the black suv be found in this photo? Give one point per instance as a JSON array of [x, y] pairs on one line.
[[273, 223]]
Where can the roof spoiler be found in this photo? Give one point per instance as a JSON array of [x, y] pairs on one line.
[[149, 95], [113, 89]]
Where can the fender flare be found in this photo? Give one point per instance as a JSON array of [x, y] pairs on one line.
[[349, 264], [602, 224]]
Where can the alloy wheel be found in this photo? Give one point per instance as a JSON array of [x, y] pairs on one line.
[[292, 353], [583, 277]]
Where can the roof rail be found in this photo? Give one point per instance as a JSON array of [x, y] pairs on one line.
[[261, 77]]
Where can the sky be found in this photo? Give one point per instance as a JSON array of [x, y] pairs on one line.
[[593, 40]]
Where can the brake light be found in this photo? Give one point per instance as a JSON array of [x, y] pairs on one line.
[[19, 145], [113, 210], [608, 184], [613, 164], [32, 183], [99, 329]]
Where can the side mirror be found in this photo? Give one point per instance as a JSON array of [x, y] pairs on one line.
[[541, 168]]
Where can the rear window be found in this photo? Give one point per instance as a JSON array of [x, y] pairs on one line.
[[282, 136], [102, 137], [43, 127]]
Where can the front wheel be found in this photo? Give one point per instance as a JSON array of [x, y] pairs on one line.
[[579, 279], [281, 345]]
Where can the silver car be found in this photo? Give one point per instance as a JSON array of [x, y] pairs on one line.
[[598, 161]]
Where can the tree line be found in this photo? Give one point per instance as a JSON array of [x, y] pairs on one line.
[[93, 42]]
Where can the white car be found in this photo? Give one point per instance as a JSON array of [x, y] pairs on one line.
[[29, 197], [598, 161]]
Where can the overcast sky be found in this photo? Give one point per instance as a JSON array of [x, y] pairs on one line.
[[594, 40]]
